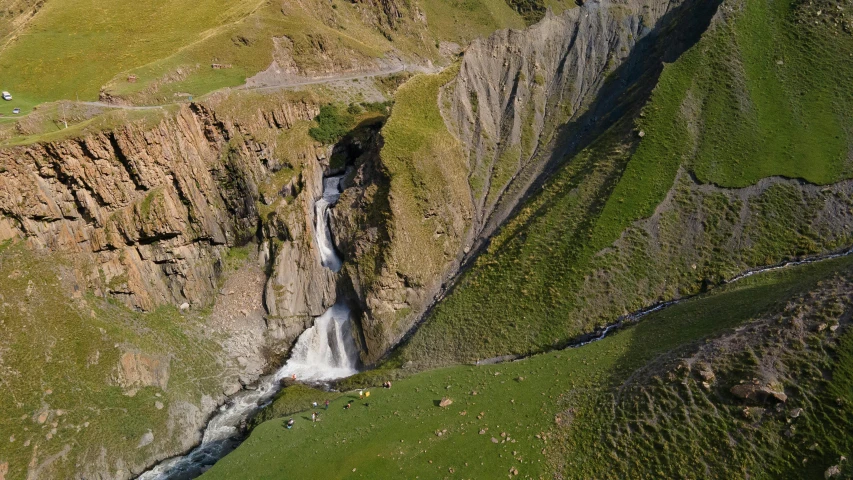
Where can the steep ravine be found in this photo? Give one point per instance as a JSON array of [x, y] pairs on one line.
[[324, 352]]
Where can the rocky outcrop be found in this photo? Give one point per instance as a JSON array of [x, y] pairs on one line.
[[757, 394], [141, 370], [299, 287], [152, 209], [525, 100]]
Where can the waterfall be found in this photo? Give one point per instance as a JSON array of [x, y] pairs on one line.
[[324, 352], [331, 192]]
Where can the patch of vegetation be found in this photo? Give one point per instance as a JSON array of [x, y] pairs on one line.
[[69, 49], [513, 416], [333, 122], [680, 417], [763, 94], [427, 171], [531, 10], [61, 372]]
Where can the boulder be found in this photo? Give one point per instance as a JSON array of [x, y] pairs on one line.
[[445, 402], [757, 393]]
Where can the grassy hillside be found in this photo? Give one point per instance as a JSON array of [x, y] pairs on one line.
[[71, 49], [63, 355], [75, 49], [533, 287], [551, 412]]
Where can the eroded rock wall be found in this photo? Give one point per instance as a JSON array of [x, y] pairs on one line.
[[152, 209], [524, 100]]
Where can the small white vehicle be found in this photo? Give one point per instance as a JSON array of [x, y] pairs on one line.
[[7, 96]]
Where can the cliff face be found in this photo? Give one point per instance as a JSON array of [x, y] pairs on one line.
[[151, 210], [154, 214]]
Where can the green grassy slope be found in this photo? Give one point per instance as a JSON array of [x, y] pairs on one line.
[[522, 295], [71, 49], [420, 203], [75, 49], [521, 407], [60, 370]]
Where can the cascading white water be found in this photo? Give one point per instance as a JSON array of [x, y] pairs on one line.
[[324, 352], [331, 193]]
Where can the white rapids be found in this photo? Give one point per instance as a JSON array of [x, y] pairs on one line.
[[324, 352]]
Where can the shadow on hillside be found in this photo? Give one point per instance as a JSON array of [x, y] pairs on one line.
[[625, 92]]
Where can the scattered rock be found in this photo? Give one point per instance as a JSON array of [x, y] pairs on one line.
[[832, 471], [185, 306], [483, 431], [141, 370], [513, 471], [146, 439], [495, 440], [707, 375], [641, 134], [445, 402], [757, 393], [796, 412], [158, 405], [4, 469]]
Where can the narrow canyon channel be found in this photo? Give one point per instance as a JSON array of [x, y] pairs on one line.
[[324, 352]]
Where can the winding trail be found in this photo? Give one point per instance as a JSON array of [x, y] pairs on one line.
[[283, 84]]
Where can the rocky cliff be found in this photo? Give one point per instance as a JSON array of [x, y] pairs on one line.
[[153, 210], [160, 215]]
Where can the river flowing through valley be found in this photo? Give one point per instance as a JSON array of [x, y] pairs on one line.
[[326, 351]]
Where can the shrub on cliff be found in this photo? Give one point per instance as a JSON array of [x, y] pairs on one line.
[[332, 124]]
